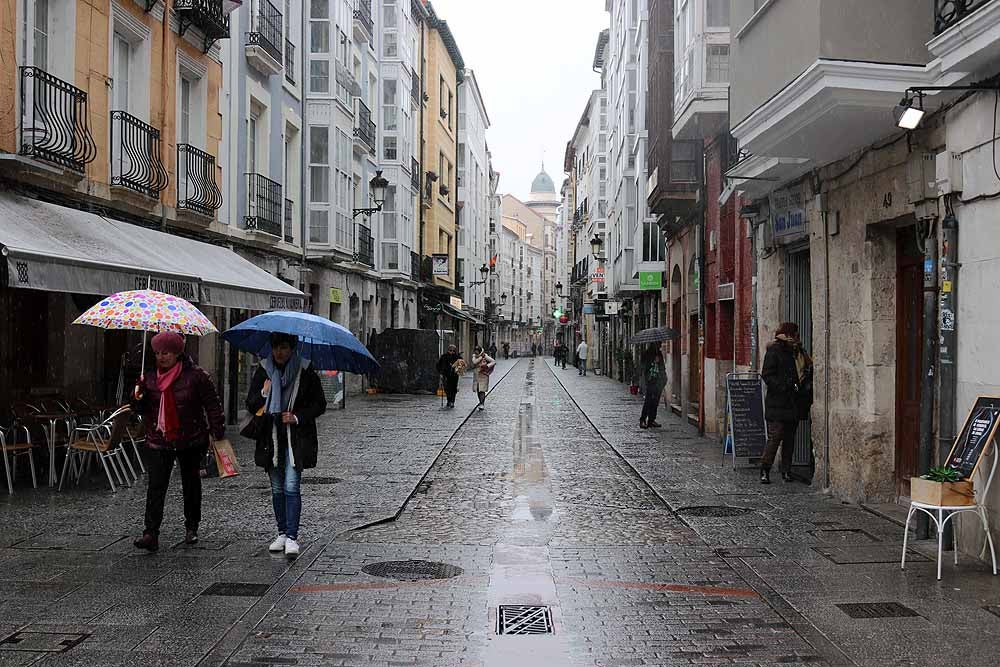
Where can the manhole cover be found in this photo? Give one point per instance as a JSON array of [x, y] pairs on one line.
[[868, 555], [876, 610], [321, 480], [743, 552], [524, 620], [852, 535], [42, 642], [234, 589], [412, 570], [714, 511]]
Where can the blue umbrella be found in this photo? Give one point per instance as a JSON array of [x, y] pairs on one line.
[[329, 346]]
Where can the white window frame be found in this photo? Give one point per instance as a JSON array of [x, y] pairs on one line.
[[138, 35]]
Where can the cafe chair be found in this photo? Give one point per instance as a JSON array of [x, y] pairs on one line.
[[940, 514], [103, 440], [11, 449]]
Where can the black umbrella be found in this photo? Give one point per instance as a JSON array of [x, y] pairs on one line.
[[654, 335]]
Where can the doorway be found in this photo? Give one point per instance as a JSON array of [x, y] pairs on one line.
[[798, 309], [909, 351]]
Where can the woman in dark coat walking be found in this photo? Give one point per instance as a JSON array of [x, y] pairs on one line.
[[286, 398], [787, 372], [446, 368], [181, 410], [653, 373]]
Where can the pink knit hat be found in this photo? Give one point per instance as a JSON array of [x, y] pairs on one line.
[[168, 341]]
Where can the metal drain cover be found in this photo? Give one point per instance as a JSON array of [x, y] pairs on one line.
[[412, 570], [876, 610], [524, 620], [234, 589], [42, 642], [714, 511]]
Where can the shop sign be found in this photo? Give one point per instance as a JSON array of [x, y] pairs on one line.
[[456, 303], [336, 295], [281, 302], [650, 280], [597, 276], [440, 263], [612, 307], [789, 213], [588, 309], [185, 289]]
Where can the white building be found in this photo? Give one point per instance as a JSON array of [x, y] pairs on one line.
[[473, 196]]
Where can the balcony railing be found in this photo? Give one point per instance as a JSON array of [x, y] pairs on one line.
[[415, 91], [415, 174], [366, 246], [136, 163], [263, 205], [949, 12], [415, 267], [289, 62], [363, 14], [206, 15], [196, 187], [266, 29], [54, 121], [364, 127], [289, 221]]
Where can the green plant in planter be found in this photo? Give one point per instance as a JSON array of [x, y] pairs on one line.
[[942, 474]]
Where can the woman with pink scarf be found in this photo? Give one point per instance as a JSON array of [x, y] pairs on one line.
[[181, 410]]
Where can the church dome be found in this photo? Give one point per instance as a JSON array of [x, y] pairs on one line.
[[543, 184]]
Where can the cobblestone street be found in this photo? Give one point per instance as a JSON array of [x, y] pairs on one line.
[[647, 548]]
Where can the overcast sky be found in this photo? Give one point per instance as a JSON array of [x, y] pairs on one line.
[[533, 61]]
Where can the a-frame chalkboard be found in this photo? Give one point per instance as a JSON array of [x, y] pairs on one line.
[[745, 406], [979, 430]]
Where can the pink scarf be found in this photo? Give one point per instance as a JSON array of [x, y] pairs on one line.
[[167, 421]]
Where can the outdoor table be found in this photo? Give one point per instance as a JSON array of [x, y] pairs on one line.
[[50, 434]]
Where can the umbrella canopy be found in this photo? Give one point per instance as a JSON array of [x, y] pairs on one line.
[[654, 335], [329, 346], [147, 310]]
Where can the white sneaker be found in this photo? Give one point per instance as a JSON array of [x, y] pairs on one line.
[[291, 547], [278, 545]]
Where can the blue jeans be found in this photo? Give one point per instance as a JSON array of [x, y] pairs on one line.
[[285, 497]]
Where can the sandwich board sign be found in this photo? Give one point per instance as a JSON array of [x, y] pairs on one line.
[[747, 431]]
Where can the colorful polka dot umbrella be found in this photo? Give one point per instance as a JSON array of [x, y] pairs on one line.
[[147, 310]]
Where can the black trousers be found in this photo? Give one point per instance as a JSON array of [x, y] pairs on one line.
[[780, 434], [450, 387], [650, 405], [161, 465]]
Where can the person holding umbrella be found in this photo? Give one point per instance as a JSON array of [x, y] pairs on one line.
[[287, 394], [653, 372], [181, 410]]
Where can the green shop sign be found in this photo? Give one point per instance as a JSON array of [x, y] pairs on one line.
[[650, 280]]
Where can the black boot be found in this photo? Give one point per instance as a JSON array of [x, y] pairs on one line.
[[148, 541], [765, 475], [786, 476]]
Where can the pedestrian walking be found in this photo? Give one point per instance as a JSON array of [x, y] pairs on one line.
[[493, 349], [581, 358], [653, 373], [482, 365], [447, 368], [534, 349], [559, 353], [181, 410], [787, 371], [506, 350], [286, 393]]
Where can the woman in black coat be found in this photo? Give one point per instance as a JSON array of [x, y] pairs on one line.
[[286, 398], [787, 372]]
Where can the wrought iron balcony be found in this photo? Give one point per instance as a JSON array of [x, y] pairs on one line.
[[206, 15], [365, 247], [949, 12], [196, 187], [263, 205], [54, 121], [265, 31], [415, 87], [289, 221], [136, 163], [364, 127], [415, 267], [289, 62], [363, 15]]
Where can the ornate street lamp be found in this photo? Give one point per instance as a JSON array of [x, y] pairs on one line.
[[595, 245], [376, 191], [483, 271]]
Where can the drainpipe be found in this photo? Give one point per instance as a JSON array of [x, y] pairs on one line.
[[826, 348], [423, 164], [929, 357], [947, 373], [164, 62]]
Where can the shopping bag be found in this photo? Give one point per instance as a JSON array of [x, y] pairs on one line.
[[221, 460]]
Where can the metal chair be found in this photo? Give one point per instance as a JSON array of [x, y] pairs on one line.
[[940, 514], [105, 441], [9, 445]]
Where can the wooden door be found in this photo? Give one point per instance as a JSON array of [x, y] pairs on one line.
[[694, 365], [675, 353], [909, 350]]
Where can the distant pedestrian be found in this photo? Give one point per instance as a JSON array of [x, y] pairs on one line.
[[581, 358], [653, 372], [787, 371], [482, 366], [448, 369], [287, 393], [506, 350], [534, 349], [559, 353], [181, 410], [493, 349]]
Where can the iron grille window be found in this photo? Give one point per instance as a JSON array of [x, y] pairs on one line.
[[684, 162], [263, 205], [414, 267], [365, 127], [54, 121], [363, 14], [366, 246], [289, 61], [415, 87], [196, 187], [135, 155], [289, 221], [266, 29], [206, 15], [949, 12], [414, 173]]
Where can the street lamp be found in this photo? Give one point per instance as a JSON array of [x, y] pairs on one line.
[[595, 245], [376, 190], [483, 271], [559, 293], [908, 116]]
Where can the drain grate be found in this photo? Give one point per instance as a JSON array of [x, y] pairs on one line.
[[743, 552], [42, 642], [412, 570], [321, 480], [877, 610], [524, 620], [235, 589], [714, 511], [855, 535]]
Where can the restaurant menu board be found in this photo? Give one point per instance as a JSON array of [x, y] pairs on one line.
[[746, 415], [980, 428]]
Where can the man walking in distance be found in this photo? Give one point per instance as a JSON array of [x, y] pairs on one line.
[[581, 356], [787, 371]]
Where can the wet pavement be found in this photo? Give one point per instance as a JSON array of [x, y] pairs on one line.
[[426, 531]]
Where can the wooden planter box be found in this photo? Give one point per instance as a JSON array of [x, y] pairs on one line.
[[941, 493]]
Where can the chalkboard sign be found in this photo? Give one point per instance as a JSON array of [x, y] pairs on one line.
[[979, 430], [745, 399]]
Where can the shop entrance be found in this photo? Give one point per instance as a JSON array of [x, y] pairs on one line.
[[798, 309], [909, 344]]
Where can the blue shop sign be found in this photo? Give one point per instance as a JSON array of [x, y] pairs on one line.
[[787, 223]]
